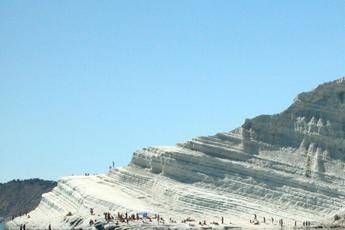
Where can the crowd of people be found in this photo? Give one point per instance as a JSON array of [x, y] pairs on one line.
[[156, 218], [127, 218]]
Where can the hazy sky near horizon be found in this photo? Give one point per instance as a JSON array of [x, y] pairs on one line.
[[84, 83]]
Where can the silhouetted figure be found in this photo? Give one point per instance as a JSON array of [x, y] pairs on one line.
[[264, 220], [21, 227], [49, 227], [281, 222], [222, 220]]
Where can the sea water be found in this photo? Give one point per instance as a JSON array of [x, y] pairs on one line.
[[2, 227]]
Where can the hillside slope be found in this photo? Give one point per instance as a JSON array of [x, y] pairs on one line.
[[22, 196], [286, 166]]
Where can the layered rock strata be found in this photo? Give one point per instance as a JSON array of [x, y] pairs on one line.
[[289, 165]]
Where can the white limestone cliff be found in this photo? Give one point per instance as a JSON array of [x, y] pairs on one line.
[[288, 166]]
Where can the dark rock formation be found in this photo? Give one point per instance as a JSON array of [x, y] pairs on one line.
[[22, 196]]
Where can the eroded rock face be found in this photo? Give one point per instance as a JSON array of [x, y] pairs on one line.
[[289, 165], [317, 117]]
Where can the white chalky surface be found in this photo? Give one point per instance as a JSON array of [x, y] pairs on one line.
[[287, 166]]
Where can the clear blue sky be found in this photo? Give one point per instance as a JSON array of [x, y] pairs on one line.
[[83, 83]]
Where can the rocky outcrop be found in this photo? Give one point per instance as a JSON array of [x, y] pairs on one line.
[[289, 165], [317, 117]]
